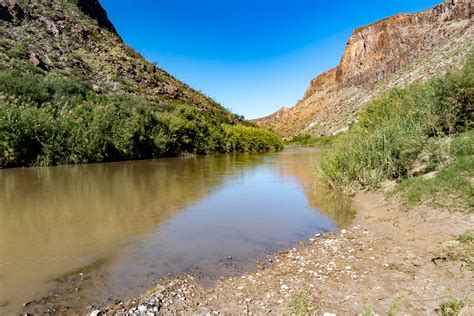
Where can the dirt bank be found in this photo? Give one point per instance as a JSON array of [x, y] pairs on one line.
[[385, 261]]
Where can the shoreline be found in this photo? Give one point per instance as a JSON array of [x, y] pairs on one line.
[[384, 262]]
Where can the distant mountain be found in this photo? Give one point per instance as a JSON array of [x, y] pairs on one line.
[[392, 52]]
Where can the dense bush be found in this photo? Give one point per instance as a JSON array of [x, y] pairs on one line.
[[48, 121], [396, 128], [312, 141]]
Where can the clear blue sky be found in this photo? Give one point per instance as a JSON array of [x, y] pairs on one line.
[[253, 56]]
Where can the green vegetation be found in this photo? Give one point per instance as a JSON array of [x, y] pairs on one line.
[[393, 308], [453, 180], [302, 304], [399, 128], [53, 120], [312, 141], [450, 307], [367, 311], [460, 250]]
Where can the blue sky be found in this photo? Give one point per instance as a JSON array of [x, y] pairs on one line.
[[252, 56]]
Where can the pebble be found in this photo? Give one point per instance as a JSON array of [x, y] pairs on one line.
[[343, 231], [142, 308], [285, 287], [95, 313], [328, 314]]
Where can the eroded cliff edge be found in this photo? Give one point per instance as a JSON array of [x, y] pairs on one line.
[[391, 52]]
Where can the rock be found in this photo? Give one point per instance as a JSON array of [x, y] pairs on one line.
[[343, 231], [167, 89], [5, 14], [95, 313], [328, 314], [93, 9], [36, 61], [142, 308], [285, 287]]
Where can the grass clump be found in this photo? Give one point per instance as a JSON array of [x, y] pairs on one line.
[[397, 128], [460, 250], [453, 180], [307, 140], [302, 304], [451, 307], [52, 120]]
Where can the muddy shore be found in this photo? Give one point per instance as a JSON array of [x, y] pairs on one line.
[[385, 262]]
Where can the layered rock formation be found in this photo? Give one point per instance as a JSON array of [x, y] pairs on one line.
[[391, 52]]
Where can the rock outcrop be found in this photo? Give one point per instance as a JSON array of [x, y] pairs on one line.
[[93, 9], [391, 52]]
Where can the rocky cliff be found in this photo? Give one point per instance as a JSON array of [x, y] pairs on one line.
[[76, 38], [391, 52]]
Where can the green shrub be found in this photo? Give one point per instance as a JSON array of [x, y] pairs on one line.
[[312, 141], [397, 127], [454, 179], [51, 120]]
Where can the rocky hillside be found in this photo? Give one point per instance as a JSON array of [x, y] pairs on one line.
[[76, 38], [392, 52], [71, 91]]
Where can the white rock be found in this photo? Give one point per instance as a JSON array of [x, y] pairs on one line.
[[142, 308], [348, 267], [328, 314], [285, 287], [343, 231], [95, 312]]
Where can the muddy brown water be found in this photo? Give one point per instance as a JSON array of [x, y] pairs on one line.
[[129, 224]]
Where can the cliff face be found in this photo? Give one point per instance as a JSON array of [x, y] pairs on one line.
[[390, 52], [76, 38], [93, 9]]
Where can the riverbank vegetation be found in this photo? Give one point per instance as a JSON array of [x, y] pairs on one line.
[[407, 132], [307, 140], [55, 120]]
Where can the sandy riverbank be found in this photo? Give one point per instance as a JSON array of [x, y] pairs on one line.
[[385, 261]]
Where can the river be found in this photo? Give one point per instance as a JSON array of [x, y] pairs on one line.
[[89, 234]]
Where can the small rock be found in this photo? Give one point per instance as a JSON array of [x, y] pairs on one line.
[[343, 231], [229, 258], [142, 308], [285, 287], [95, 313], [328, 314]]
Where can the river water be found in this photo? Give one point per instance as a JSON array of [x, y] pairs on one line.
[[129, 224]]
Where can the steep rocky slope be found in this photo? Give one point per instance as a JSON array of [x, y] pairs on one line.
[[76, 38], [391, 52]]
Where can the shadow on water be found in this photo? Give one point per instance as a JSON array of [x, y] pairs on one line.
[[137, 222]]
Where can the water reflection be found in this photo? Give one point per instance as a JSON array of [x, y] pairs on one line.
[[156, 217]]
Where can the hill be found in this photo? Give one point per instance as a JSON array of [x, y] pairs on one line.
[[71, 91], [393, 52]]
